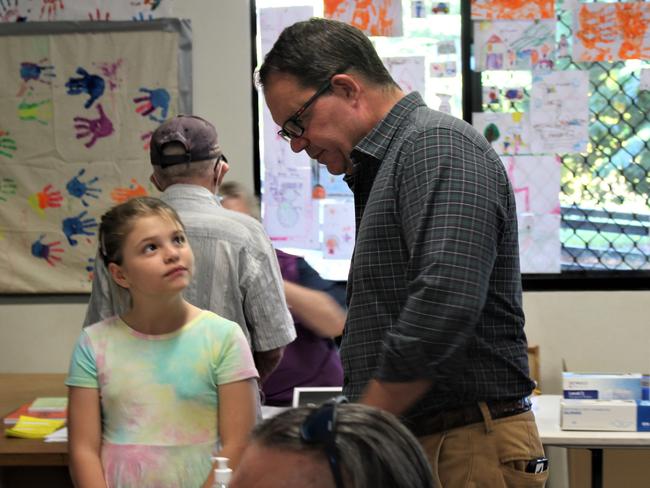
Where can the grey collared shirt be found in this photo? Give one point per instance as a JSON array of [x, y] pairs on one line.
[[236, 271], [434, 290]]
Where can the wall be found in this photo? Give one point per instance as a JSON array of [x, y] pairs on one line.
[[591, 331]]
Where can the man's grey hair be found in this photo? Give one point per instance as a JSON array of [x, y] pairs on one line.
[[374, 448], [182, 173]]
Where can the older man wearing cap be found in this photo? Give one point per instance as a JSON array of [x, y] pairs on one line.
[[237, 271]]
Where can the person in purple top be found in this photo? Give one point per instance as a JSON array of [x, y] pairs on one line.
[[317, 309]]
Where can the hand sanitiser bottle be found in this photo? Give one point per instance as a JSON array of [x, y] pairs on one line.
[[222, 473]]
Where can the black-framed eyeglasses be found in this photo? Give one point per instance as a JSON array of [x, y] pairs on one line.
[[292, 127], [319, 428]]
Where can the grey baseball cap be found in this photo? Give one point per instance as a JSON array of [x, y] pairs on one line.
[[196, 135]]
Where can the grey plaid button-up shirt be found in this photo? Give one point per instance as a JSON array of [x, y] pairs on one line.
[[434, 289], [236, 271]]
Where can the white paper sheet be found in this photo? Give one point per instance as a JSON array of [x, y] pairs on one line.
[[559, 112]]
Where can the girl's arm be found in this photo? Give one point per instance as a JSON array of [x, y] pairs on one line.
[[85, 437], [236, 416]]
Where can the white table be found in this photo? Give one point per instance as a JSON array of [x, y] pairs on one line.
[[547, 417]]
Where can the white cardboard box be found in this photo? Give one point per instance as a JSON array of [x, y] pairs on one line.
[[610, 415], [602, 386]]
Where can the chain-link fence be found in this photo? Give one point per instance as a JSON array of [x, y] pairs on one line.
[[604, 193]]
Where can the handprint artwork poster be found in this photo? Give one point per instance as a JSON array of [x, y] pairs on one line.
[[76, 115]]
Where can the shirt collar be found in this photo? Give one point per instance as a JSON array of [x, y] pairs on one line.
[[191, 192], [376, 143]]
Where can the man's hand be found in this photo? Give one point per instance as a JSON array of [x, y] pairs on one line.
[[267, 361]]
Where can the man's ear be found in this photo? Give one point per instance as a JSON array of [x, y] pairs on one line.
[[118, 275], [155, 182], [347, 85], [220, 171]]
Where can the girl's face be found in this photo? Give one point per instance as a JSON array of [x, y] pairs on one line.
[[157, 259]]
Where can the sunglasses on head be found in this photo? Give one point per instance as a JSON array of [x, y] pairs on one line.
[[319, 428]]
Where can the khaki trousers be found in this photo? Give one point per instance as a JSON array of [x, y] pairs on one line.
[[490, 454]]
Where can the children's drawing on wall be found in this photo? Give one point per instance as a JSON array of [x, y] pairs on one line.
[[516, 44], [611, 31], [333, 185], [338, 230], [513, 9], [288, 210], [374, 17], [70, 144], [507, 132], [536, 184], [445, 69], [407, 71], [559, 112], [274, 20]]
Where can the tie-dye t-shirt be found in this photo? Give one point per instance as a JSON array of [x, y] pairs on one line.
[[159, 396]]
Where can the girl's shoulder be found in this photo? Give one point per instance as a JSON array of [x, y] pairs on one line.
[[211, 319]]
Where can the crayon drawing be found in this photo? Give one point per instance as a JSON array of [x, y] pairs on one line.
[[515, 44], [559, 112]]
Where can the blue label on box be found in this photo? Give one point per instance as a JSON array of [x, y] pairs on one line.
[[643, 416], [581, 394]]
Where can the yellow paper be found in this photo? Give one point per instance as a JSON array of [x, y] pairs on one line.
[[33, 428]]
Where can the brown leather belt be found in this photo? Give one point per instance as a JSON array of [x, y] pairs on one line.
[[470, 414]]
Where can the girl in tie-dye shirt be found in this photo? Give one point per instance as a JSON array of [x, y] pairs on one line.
[[151, 391]]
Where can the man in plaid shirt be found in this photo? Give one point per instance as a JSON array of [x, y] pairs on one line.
[[435, 323]]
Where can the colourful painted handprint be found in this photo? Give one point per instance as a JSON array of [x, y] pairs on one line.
[[141, 17], [109, 71], [7, 188], [41, 111], [9, 11], [95, 128], [156, 98], [7, 145], [74, 226], [44, 199], [51, 8], [47, 251], [30, 72], [88, 83], [98, 15], [83, 190], [135, 189]]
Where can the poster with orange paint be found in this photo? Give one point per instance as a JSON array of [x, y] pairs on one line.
[[374, 17], [611, 31], [513, 9], [76, 114]]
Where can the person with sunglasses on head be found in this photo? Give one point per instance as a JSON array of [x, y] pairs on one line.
[[336, 445], [238, 276], [435, 325]]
